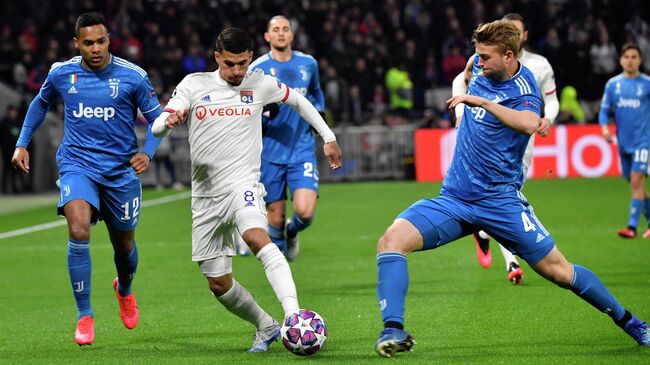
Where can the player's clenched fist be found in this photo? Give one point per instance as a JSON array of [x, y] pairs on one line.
[[333, 154], [176, 118]]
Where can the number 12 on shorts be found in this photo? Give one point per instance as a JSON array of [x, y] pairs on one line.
[[133, 211]]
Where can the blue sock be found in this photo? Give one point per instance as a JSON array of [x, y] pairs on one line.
[[297, 225], [636, 207], [277, 237], [392, 285], [647, 210], [587, 286], [126, 267], [80, 269]]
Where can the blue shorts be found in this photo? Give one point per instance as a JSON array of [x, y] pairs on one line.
[[636, 161], [508, 218], [119, 207], [276, 177]]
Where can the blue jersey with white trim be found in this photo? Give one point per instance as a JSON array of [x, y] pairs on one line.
[[488, 154], [100, 109], [287, 137], [629, 100]]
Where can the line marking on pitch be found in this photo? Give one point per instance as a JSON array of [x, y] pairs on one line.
[[63, 222]]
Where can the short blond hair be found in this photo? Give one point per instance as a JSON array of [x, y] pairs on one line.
[[500, 33]]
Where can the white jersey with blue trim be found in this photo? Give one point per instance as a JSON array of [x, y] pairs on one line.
[[488, 154], [629, 100], [100, 109], [300, 73]]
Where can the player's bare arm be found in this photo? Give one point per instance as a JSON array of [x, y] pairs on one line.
[[523, 121], [20, 159]]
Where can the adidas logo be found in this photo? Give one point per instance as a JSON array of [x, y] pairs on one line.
[[206, 98], [72, 90], [539, 237]]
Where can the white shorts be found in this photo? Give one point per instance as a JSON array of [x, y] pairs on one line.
[[216, 220]]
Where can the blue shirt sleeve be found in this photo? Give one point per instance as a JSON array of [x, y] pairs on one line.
[[37, 111], [605, 105], [315, 90], [148, 103], [530, 103]]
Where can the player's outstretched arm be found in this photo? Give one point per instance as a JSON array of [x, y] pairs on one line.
[[20, 159], [167, 121], [309, 113], [524, 121]]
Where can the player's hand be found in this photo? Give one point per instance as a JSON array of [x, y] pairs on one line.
[[140, 161], [333, 154], [176, 118], [607, 134], [544, 127], [20, 159], [469, 100]]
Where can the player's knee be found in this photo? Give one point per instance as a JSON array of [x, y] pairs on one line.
[[560, 276], [276, 220], [220, 285], [389, 242], [79, 232], [305, 213]]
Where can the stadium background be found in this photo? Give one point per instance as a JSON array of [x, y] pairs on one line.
[[356, 43]]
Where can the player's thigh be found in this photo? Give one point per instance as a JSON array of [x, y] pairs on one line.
[[74, 186], [439, 220], [303, 175], [213, 235], [640, 161], [217, 270], [248, 211], [120, 206], [274, 178], [510, 219], [626, 165]]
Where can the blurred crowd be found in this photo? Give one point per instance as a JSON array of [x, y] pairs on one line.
[[381, 62]]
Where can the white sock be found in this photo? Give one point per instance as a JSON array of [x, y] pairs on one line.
[[483, 235], [508, 256], [241, 303], [279, 275]]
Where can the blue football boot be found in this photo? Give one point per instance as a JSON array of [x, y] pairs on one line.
[[392, 340], [638, 330]]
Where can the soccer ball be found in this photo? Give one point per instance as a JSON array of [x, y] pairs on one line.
[[304, 333]]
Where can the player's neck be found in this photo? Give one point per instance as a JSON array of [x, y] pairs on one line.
[[283, 55], [511, 71], [631, 75], [98, 68]]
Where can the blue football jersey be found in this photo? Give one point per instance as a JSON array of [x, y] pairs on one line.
[[629, 99], [488, 154], [100, 109], [287, 137]]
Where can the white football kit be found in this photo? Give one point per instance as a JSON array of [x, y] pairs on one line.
[[225, 137]]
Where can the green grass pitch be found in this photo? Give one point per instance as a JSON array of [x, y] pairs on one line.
[[458, 312]]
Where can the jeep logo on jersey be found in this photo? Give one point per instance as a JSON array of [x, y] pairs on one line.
[[246, 96], [97, 112], [114, 84], [201, 112]]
